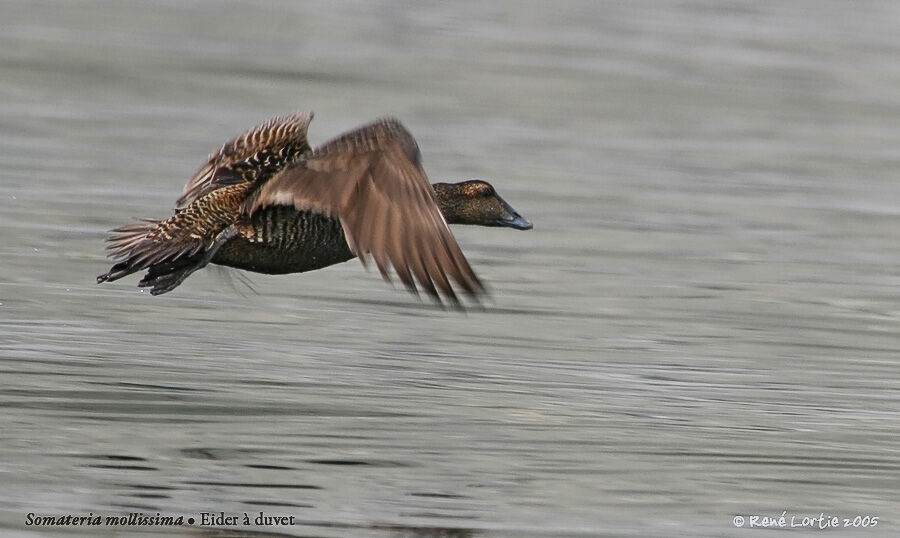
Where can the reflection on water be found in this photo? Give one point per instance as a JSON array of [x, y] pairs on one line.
[[703, 323]]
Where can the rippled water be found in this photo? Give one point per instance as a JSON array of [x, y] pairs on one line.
[[703, 323]]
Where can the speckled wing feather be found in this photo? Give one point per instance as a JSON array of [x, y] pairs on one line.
[[184, 234], [253, 156], [372, 181]]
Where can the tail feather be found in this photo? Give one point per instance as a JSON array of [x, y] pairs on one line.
[[123, 240], [126, 243], [147, 245], [149, 242], [175, 247]]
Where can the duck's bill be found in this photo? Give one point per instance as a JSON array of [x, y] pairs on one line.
[[516, 222]]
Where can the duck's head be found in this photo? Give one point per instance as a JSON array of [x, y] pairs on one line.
[[476, 202]]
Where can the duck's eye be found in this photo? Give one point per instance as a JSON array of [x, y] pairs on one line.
[[487, 191]]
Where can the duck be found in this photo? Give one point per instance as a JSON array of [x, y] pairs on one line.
[[267, 202]]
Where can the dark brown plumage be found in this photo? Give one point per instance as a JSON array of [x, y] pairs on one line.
[[268, 203]]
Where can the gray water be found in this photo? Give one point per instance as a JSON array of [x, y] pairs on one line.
[[703, 324]]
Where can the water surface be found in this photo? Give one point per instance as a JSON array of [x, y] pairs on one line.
[[702, 324]]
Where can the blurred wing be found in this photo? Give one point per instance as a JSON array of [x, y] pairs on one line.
[[371, 180], [254, 155]]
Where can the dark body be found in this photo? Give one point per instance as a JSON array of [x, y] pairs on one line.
[[281, 240]]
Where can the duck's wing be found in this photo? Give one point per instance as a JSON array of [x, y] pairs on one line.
[[371, 179], [253, 156]]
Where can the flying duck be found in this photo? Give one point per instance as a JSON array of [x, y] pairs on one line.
[[267, 202]]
